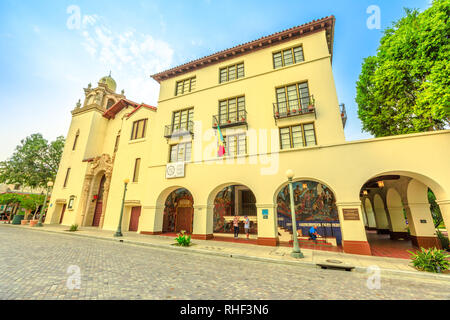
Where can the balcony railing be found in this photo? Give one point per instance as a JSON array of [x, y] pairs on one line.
[[291, 108], [231, 119], [177, 130], [343, 114]]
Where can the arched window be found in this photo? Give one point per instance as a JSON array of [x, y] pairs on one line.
[[110, 103]]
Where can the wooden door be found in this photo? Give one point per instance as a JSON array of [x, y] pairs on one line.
[[184, 219], [99, 204], [97, 214], [62, 213], [134, 218]]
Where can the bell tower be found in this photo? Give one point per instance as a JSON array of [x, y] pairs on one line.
[[102, 97]]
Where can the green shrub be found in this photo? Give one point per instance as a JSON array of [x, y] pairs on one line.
[[73, 227], [183, 239], [444, 240], [431, 260]]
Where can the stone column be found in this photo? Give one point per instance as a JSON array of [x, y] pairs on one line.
[[267, 224], [151, 220], [203, 222], [380, 215], [83, 202], [354, 239], [421, 225], [398, 224]]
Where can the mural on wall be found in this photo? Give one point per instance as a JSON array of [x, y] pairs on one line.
[[313, 202], [170, 209], [224, 205]]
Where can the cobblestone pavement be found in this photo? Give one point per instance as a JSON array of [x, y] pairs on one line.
[[34, 265]]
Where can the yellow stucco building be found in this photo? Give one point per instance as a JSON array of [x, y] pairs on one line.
[[275, 102]]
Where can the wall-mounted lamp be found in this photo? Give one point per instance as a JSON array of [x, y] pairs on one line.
[[380, 184]]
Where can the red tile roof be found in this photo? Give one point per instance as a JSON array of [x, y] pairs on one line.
[[326, 24], [125, 103]]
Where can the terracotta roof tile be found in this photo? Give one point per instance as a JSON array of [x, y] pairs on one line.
[[326, 23]]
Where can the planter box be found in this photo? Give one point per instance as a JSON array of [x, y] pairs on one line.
[[33, 222], [17, 219], [24, 222]]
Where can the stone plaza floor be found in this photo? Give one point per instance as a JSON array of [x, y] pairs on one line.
[[38, 265]]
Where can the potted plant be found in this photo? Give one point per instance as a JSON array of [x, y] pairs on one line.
[[229, 121], [243, 119], [294, 111], [277, 114]]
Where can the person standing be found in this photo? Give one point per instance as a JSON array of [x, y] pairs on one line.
[[236, 226], [247, 226]]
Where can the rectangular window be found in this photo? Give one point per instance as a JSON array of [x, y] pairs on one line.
[[180, 152], [297, 136], [137, 165], [116, 145], [182, 119], [293, 97], [233, 72], [67, 177], [235, 144], [185, 86], [138, 131], [231, 110], [287, 57], [75, 141]]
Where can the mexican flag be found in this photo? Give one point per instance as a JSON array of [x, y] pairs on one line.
[[221, 149]]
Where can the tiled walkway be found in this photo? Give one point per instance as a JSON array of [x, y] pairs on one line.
[[382, 246]]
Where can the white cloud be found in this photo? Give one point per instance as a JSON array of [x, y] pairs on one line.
[[131, 56]]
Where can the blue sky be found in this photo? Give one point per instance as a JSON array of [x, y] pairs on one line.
[[46, 59]]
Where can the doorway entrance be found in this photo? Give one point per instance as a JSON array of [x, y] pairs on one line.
[[99, 204], [134, 218], [178, 212], [62, 213]]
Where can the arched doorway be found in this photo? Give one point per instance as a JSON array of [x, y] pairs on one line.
[[315, 205], [402, 207], [234, 200], [178, 212]]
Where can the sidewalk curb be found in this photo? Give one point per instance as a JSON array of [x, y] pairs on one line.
[[304, 264]]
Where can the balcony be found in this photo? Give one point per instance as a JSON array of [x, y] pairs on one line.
[[178, 130], [232, 119], [343, 114], [293, 108]]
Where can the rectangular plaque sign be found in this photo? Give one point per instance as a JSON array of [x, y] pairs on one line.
[[350, 214]]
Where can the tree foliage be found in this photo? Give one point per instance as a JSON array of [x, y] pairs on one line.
[[405, 88], [34, 162]]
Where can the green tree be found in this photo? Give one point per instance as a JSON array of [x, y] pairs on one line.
[[405, 88], [434, 208], [11, 199], [32, 202], [34, 162]]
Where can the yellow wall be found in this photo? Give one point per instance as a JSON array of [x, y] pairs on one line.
[[342, 166]]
